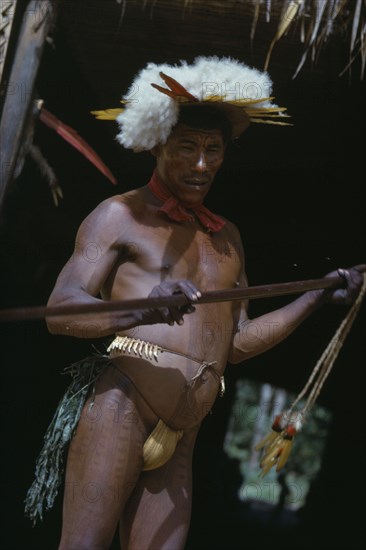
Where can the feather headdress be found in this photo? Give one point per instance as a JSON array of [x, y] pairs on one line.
[[151, 109]]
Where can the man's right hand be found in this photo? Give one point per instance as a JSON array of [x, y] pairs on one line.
[[171, 315]]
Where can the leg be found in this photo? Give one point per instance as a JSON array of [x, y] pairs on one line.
[[158, 513], [104, 463]]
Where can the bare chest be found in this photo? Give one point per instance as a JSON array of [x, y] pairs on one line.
[[210, 260]]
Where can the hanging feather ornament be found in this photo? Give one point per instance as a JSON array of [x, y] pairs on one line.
[[277, 445], [72, 137]]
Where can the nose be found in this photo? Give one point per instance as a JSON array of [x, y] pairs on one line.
[[201, 165]]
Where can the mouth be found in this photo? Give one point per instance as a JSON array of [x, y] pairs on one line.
[[196, 182]]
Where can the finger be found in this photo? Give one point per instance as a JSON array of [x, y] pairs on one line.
[[188, 309], [189, 290], [361, 268], [172, 314], [176, 315], [343, 273], [164, 312], [353, 279], [162, 315]]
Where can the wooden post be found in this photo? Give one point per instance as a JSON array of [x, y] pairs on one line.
[[7, 12], [37, 20]]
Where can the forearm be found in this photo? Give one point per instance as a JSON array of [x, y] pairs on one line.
[[94, 325], [258, 335]]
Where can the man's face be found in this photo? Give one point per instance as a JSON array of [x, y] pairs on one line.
[[188, 162]]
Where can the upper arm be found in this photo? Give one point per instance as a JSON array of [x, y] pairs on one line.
[[97, 247], [242, 277], [240, 309]]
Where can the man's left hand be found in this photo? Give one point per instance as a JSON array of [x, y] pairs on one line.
[[353, 279]]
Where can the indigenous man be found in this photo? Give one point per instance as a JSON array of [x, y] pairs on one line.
[[164, 372]]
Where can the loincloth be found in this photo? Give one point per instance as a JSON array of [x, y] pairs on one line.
[[158, 448], [161, 443]]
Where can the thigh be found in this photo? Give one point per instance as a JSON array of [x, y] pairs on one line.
[[158, 512], [104, 462]]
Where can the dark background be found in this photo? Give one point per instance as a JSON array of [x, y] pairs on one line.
[[296, 195]]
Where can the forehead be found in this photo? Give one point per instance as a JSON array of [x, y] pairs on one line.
[[182, 131]]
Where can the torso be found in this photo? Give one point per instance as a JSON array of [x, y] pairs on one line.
[[154, 249]]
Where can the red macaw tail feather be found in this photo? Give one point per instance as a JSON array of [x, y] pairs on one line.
[[176, 89], [71, 136], [164, 91]]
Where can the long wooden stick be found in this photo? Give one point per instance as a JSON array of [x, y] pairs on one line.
[[251, 293]]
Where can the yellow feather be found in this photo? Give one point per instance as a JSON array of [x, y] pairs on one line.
[[262, 112], [248, 101], [284, 455], [262, 121], [266, 469], [107, 114], [272, 453], [267, 440]]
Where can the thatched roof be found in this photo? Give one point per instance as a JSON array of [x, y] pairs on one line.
[[118, 37], [311, 23]]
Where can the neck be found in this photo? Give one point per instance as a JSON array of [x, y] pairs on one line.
[[178, 212], [162, 190]]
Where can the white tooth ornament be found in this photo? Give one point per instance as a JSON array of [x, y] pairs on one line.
[[130, 345], [155, 352], [141, 346], [146, 350]]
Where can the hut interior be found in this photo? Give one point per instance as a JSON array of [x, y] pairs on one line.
[[295, 193]]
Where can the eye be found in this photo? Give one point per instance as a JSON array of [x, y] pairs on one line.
[[214, 150], [187, 144], [187, 147]]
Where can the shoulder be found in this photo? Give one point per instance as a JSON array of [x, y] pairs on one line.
[[113, 220], [232, 235], [232, 231], [118, 207]]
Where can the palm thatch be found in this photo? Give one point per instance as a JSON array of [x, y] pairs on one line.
[[317, 21], [314, 22]]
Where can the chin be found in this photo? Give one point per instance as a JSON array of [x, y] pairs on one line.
[[192, 196]]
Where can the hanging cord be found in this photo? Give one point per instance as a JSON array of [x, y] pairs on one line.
[[324, 365], [277, 444]]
